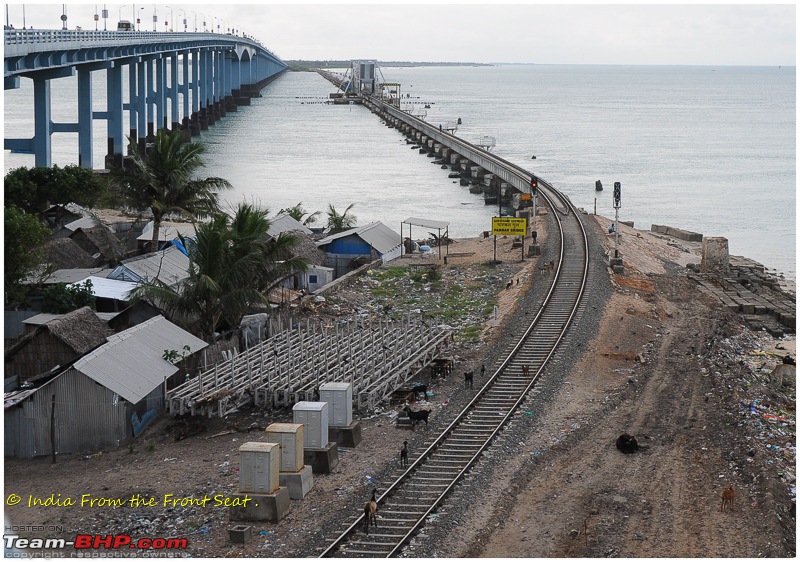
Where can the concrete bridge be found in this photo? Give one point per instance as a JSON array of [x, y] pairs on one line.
[[176, 81]]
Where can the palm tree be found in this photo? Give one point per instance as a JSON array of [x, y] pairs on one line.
[[162, 179], [298, 212], [339, 223], [233, 265]]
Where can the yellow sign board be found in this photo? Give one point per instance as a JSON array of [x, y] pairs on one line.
[[508, 226]]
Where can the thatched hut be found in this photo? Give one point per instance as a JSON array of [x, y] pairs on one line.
[[100, 242], [65, 253], [56, 343]]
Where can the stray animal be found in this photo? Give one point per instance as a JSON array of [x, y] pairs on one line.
[[789, 360], [783, 375], [404, 454], [421, 415], [525, 370], [483, 370], [468, 379], [509, 284], [627, 444], [728, 499], [370, 510]]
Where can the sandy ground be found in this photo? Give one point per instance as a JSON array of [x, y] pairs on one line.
[[664, 365]]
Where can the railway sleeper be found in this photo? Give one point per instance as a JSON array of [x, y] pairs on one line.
[[371, 553], [373, 534], [409, 513], [433, 479], [478, 434], [436, 468], [506, 391], [451, 455], [465, 450], [414, 505], [398, 519]]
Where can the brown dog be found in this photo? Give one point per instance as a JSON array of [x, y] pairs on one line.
[[728, 499]]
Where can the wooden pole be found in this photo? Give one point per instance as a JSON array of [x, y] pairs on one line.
[[53, 426]]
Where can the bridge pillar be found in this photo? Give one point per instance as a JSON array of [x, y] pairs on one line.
[[194, 127], [42, 124], [85, 118], [218, 79], [141, 103], [209, 84], [150, 100], [133, 110], [159, 97], [172, 91], [114, 115]]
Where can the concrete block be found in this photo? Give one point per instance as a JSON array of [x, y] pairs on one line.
[[261, 507], [345, 436], [298, 483], [715, 258], [240, 534], [619, 269], [322, 460]]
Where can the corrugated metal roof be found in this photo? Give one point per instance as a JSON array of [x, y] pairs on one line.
[[427, 223], [376, 234], [168, 232], [83, 222], [284, 223], [131, 363], [109, 288], [75, 275], [171, 266]]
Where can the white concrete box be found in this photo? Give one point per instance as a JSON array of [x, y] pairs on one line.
[[290, 437], [339, 396], [259, 467], [314, 416]]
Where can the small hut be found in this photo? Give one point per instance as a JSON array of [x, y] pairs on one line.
[[65, 253], [56, 343], [352, 248], [103, 399]]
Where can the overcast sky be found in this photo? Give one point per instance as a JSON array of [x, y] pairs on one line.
[[588, 33]]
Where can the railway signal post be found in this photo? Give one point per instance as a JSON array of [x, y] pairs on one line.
[[617, 205]]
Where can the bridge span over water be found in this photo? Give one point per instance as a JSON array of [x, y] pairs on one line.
[[173, 81], [502, 182]]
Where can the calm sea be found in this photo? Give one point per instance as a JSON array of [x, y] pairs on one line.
[[707, 149]]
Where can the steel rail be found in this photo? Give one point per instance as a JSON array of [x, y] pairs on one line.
[[552, 319]]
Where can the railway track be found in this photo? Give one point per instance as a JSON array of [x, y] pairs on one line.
[[404, 506]]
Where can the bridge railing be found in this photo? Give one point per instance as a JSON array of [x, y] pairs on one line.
[[47, 39]]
